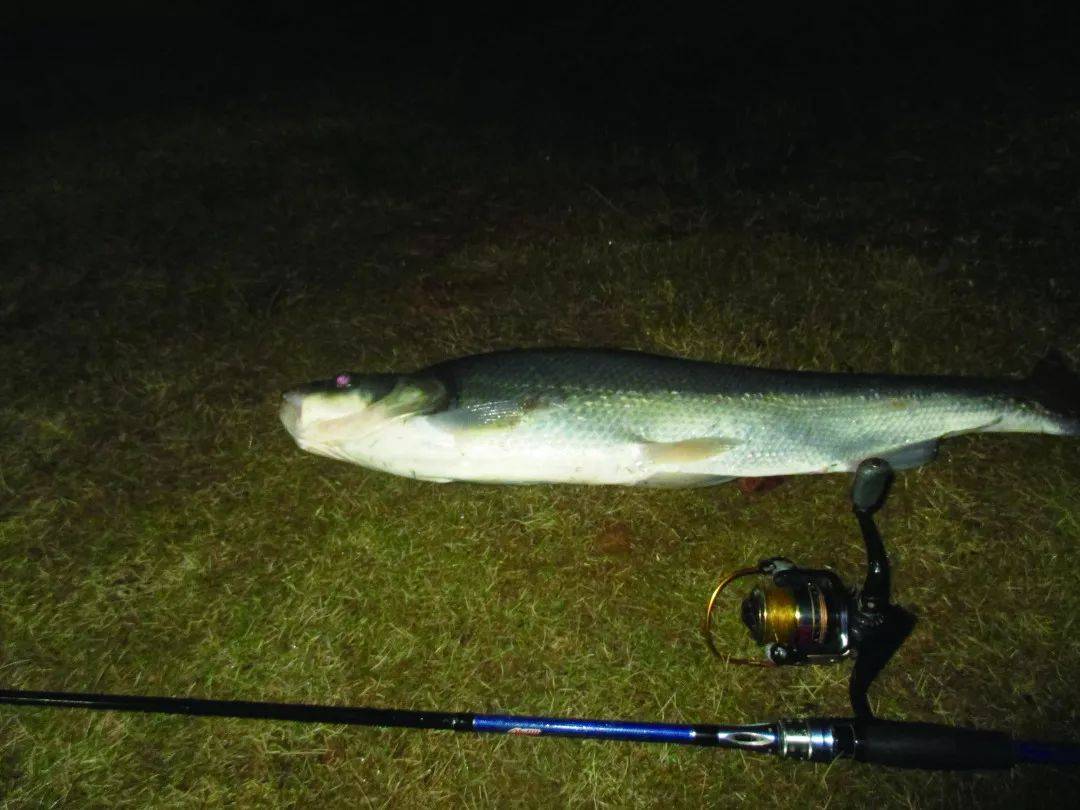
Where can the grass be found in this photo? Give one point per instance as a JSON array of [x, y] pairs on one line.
[[172, 272]]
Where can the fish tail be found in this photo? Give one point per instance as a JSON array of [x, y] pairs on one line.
[[1054, 386]]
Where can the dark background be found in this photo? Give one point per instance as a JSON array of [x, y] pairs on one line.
[[629, 67], [773, 100]]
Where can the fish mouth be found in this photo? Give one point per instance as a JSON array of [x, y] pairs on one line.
[[292, 404]]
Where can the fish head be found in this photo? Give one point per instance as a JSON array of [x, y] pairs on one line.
[[326, 416]]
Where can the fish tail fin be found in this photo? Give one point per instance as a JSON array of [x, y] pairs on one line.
[[1056, 387]]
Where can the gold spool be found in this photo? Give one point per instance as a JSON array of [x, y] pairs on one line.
[[780, 617], [784, 620]]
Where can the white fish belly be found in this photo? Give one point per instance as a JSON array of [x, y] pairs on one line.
[[414, 448]]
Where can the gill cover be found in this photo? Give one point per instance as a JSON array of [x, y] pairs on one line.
[[412, 396], [351, 411]]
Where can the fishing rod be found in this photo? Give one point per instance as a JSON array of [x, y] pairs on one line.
[[803, 616], [824, 739]]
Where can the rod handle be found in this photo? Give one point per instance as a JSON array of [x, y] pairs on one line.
[[929, 746]]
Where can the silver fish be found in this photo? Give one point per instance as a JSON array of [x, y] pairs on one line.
[[621, 417]]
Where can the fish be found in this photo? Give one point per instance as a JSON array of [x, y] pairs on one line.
[[620, 417]]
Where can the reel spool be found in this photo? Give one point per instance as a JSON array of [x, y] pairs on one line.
[[801, 616]]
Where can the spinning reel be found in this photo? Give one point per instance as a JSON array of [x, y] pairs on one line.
[[809, 616]]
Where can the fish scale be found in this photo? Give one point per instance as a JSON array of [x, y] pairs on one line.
[[622, 417]]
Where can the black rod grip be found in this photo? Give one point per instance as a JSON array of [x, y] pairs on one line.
[[930, 746]]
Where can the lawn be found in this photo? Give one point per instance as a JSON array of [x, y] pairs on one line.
[[168, 273]]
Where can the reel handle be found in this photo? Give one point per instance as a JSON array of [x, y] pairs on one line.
[[871, 486]]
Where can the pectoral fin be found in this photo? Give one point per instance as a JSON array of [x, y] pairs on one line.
[[688, 451], [494, 415]]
